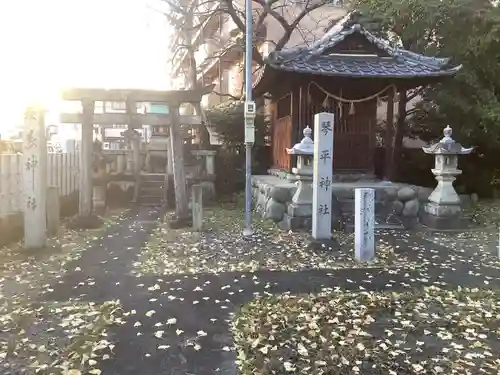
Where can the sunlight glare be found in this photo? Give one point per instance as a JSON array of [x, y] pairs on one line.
[[52, 44]]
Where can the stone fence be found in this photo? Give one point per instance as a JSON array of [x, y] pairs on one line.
[[62, 171], [395, 203]]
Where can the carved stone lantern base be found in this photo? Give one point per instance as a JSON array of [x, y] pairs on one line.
[[443, 211], [442, 217]]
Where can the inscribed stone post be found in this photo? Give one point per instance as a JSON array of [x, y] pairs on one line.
[[197, 207], [364, 224], [322, 176], [34, 179]]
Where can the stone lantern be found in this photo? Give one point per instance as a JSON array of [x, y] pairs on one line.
[[443, 209], [300, 209]]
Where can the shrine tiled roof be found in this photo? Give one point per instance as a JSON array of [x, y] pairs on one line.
[[397, 62]]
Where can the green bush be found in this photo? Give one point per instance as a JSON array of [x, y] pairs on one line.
[[227, 119]]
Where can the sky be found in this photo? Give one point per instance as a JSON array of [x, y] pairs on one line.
[[49, 44]]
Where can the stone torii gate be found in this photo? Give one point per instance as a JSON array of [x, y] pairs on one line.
[[134, 120]]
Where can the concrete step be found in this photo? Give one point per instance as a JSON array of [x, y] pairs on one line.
[[150, 201], [159, 177], [152, 184], [152, 191]]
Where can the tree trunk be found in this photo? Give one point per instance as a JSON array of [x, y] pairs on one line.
[[203, 134], [400, 127], [389, 138]]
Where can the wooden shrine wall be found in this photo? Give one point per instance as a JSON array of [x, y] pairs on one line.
[[354, 135], [281, 140]]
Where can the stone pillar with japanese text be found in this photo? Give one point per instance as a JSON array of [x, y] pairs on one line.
[[322, 176], [364, 224], [34, 179]]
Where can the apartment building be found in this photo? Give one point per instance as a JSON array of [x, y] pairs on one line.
[[219, 59]]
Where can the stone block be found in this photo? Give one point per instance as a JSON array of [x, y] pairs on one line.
[[397, 207], [390, 193], [295, 223], [423, 193], [406, 194], [364, 239], [280, 194], [275, 210], [411, 208], [343, 192], [409, 222], [197, 207], [441, 222], [442, 210], [299, 210]]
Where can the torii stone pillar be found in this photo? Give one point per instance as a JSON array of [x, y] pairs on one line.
[[86, 156], [34, 179], [177, 156]]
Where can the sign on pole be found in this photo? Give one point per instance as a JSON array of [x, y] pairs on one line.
[[250, 114]]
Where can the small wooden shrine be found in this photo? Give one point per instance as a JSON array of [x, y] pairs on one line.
[[346, 72]]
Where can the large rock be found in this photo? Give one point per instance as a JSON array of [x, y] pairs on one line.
[[280, 194], [388, 193], [343, 192], [411, 208], [397, 207], [274, 210], [406, 194], [260, 206], [423, 193]]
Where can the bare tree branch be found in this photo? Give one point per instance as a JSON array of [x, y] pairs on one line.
[[226, 95]]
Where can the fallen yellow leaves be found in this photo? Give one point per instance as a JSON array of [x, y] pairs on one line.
[[52, 337], [221, 249], [432, 331]]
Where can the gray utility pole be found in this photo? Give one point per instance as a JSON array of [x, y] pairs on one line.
[[250, 112]]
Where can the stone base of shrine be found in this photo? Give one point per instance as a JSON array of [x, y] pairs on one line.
[[345, 176], [397, 205]]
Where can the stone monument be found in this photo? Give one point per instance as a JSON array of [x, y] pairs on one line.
[[300, 209], [322, 177], [443, 210], [34, 179], [364, 224]]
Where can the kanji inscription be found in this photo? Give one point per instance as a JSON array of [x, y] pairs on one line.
[[364, 224], [322, 176]]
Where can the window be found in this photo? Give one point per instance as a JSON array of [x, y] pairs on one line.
[[118, 106]]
